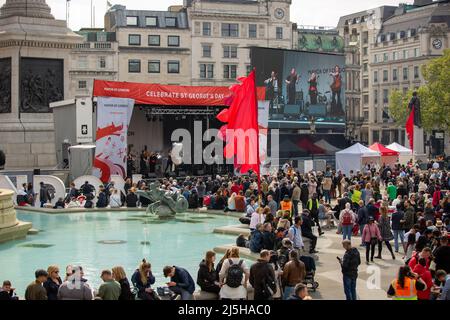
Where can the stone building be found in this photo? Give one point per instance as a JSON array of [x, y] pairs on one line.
[[95, 58], [34, 68], [222, 31], [153, 46], [386, 52]]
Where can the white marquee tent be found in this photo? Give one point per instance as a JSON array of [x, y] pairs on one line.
[[405, 154], [355, 157]]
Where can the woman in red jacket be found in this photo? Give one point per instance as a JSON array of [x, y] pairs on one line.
[[425, 275]]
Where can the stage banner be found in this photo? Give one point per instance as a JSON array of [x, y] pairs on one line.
[[263, 123], [113, 119], [163, 95]]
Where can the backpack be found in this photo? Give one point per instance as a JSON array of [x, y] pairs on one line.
[[235, 274], [347, 218]]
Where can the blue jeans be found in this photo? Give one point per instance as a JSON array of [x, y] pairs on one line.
[[398, 234], [349, 288], [185, 295], [347, 232], [326, 194], [361, 228], [288, 291]]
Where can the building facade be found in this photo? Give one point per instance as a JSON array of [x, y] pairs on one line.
[[223, 30], [95, 58], [153, 46], [384, 53]]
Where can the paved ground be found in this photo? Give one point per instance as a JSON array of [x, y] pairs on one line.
[[373, 281]]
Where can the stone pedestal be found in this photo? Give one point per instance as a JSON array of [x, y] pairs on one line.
[[419, 145], [10, 227]]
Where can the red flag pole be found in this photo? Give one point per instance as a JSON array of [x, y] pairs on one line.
[[257, 139]]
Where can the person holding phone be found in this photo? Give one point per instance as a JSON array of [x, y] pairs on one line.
[[349, 266]]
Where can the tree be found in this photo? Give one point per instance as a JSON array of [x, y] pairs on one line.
[[434, 96]]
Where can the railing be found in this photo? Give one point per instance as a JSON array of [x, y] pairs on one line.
[[97, 45]]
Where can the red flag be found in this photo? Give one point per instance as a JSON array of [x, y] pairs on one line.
[[241, 131], [410, 129]]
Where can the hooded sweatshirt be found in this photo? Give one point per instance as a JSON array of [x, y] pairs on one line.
[[426, 277]]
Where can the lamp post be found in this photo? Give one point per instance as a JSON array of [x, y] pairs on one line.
[[312, 131]]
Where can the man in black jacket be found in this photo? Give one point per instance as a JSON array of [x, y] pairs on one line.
[[307, 232], [349, 266], [262, 277], [268, 237]]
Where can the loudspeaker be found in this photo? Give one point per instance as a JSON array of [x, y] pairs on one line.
[[317, 110], [277, 116], [36, 172], [292, 109]]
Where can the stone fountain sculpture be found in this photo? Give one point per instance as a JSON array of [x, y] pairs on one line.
[[10, 227], [165, 203]]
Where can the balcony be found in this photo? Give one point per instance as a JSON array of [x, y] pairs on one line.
[[94, 45]]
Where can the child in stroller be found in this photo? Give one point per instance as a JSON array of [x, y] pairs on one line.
[[310, 266]]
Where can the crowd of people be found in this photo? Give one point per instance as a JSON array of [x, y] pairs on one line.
[[401, 204]]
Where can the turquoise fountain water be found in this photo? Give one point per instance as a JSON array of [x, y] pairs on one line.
[[103, 240]]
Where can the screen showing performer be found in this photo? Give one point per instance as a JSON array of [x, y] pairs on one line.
[[313, 84]]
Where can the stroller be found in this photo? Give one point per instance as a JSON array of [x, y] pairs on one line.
[[310, 266]]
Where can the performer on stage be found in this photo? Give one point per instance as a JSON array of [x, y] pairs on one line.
[[272, 86], [273, 89], [336, 106], [313, 88], [291, 82]]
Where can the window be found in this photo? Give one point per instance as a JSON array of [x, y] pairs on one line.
[[173, 67], [171, 22], [134, 66], [154, 40], [365, 83], [385, 75], [405, 90], [394, 55], [173, 41], [230, 30], [375, 58], [230, 51], [206, 71], [405, 74], [365, 67], [252, 30], [385, 96], [132, 21], [230, 71], [376, 133], [365, 51], [154, 66], [416, 72], [134, 40], [394, 75], [366, 99], [206, 28], [385, 57], [82, 62], [405, 54], [375, 96], [82, 84], [375, 76], [206, 51], [151, 21], [416, 52], [102, 62], [279, 32], [366, 115]]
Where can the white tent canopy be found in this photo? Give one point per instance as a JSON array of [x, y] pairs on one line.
[[405, 153], [400, 149], [355, 157]]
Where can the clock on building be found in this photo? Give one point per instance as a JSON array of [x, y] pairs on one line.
[[279, 13], [437, 43]]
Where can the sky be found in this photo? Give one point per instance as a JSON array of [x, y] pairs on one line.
[[303, 12]]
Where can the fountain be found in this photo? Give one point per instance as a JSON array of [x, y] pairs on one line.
[[10, 227]]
